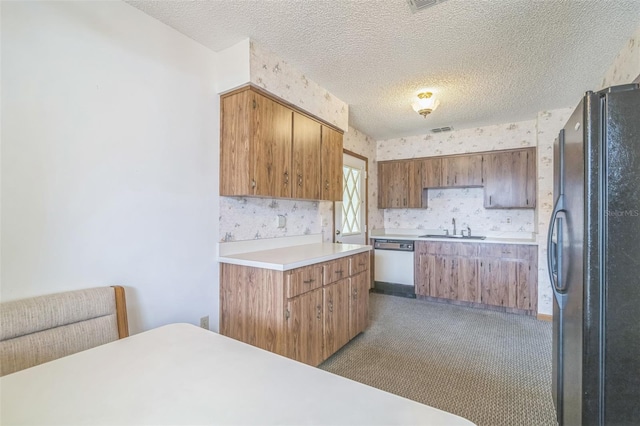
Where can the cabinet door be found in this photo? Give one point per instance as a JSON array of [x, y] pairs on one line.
[[235, 142], [359, 303], [336, 316], [498, 282], [414, 182], [431, 172], [527, 286], [509, 179], [306, 158], [270, 148], [304, 328], [467, 279], [444, 284], [399, 184], [425, 273], [331, 164], [393, 186], [461, 171]]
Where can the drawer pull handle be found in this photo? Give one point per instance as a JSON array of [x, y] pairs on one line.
[[308, 281], [330, 306], [319, 314], [339, 272], [362, 264]]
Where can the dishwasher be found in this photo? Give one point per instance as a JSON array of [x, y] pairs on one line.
[[393, 267]]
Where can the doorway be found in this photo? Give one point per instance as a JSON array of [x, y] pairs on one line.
[[351, 212]]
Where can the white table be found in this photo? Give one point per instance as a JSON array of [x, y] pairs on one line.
[[182, 374]]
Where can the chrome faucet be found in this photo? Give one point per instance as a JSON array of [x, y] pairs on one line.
[[454, 225], [468, 231]]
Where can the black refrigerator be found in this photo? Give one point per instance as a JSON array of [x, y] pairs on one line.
[[594, 261]]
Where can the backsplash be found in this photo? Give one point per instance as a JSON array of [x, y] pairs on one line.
[[466, 205], [283, 80], [248, 218]]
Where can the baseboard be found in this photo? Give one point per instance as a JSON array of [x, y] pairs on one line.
[[545, 317]]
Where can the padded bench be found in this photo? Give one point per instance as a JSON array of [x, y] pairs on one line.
[[44, 328]]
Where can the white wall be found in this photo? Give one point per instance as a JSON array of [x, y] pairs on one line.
[[109, 159]]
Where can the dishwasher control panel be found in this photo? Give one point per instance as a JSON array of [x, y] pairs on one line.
[[399, 245]]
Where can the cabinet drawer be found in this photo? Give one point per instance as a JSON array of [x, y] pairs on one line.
[[503, 251], [335, 270], [304, 279], [359, 263]]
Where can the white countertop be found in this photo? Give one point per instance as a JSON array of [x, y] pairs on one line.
[[286, 258], [488, 240], [180, 374]]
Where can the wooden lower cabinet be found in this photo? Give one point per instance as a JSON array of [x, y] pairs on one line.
[[336, 311], [304, 328], [359, 303], [503, 275], [498, 282], [305, 314]]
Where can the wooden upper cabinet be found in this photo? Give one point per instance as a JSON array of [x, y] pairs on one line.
[[306, 158], [255, 151], [268, 149], [271, 148], [462, 171], [431, 171], [331, 165], [510, 179], [400, 184]]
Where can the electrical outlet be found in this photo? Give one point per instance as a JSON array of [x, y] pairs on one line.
[[508, 220], [204, 322]]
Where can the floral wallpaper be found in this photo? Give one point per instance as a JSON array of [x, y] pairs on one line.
[[626, 67], [248, 218], [466, 205], [356, 141], [549, 124], [488, 138], [281, 79]]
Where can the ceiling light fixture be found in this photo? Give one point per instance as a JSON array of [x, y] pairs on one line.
[[425, 104]]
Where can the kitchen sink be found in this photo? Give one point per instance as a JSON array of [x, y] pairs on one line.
[[456, 237]]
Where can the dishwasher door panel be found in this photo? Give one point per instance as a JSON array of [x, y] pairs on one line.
[[394, 267]]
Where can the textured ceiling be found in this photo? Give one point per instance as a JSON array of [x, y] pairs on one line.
[[488, 61]]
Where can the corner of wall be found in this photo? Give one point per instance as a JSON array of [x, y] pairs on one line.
[[233, 68]]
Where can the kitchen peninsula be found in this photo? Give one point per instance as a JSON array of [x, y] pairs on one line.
[[296, 296]]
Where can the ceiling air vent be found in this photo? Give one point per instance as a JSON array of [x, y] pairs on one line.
[[417, 5], [442, 129]]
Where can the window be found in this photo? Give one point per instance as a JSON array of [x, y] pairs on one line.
[[351, 201]]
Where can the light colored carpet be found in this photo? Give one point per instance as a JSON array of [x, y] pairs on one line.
[[490, 367]]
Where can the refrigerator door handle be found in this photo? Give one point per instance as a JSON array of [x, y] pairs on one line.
[[554, 253]]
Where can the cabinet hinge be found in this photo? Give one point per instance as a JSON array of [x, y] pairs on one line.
[[255, 105], [365, 174], [287, 314]]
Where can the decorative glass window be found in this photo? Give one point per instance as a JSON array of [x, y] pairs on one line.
[[351, 201]]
